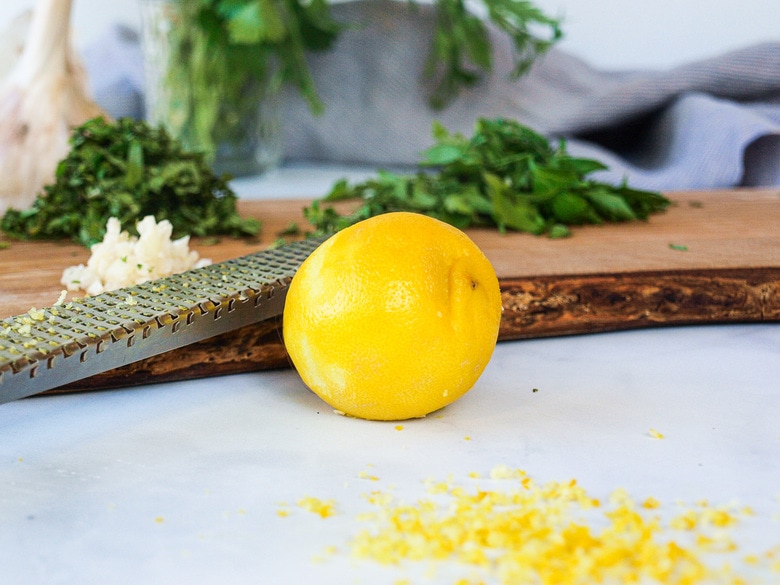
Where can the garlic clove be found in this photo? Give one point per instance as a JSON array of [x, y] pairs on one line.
[[42, 98]]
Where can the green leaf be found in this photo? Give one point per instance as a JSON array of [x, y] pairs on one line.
[[548, 181], [570, 209], [558, 231], [442, 154], [439, 132], [611, 206], [135, 164], [582, 166], [518, 215], [318, 28], [292, 229], [477, 43], [255, 22]]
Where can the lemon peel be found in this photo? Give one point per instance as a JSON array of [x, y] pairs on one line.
[[393, 318]]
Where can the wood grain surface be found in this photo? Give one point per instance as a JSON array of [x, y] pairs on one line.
[[713, 257]]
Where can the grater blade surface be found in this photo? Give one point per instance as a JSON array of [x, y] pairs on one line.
[[47, 348]]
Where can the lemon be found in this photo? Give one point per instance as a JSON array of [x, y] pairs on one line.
[[393, 318]]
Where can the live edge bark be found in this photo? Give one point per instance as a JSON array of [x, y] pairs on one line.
[[533, 307]]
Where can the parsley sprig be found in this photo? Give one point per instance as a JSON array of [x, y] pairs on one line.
[[505, 175], [128, 169]]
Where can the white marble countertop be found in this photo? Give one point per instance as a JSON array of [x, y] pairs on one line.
[[184, 482]]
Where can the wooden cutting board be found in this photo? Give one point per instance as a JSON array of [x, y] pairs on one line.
[[713, 257]]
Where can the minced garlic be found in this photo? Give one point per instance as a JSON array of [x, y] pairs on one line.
[[122, 260]]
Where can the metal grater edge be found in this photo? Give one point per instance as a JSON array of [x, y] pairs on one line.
[[46, 348]]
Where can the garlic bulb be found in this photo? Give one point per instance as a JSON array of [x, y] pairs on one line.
[[12, 41], [42, 98]]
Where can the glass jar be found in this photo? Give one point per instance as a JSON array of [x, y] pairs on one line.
[[217, 98]]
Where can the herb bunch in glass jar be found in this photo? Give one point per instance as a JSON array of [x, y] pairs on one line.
[[221, 60]]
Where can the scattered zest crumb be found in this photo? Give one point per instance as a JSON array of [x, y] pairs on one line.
[[399, 427], [655, 434], [506, 472], [323, 508], [678, 247], [327, 552]]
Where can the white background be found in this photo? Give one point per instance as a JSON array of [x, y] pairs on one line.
[[608, 33], [181, 482]]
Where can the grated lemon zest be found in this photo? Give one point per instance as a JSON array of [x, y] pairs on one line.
[[365, 475], [323, 508], [527, 533]]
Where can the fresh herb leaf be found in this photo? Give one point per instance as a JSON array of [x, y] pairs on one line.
[[128, 170], [292, 229], [505, 175], [558, 231], [678, 247]]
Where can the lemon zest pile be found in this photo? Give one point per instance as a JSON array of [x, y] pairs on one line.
[[553, 533]]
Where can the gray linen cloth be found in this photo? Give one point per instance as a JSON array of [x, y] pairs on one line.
[[704, 125]]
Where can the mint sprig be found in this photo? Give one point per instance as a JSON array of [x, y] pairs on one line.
[[506, 175]]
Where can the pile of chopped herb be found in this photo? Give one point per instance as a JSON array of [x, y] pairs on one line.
[[128, 169], [505, 175]]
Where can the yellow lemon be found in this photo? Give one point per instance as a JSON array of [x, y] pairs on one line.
[[393, 318]]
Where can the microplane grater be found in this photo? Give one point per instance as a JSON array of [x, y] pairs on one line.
[[44, 349]]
